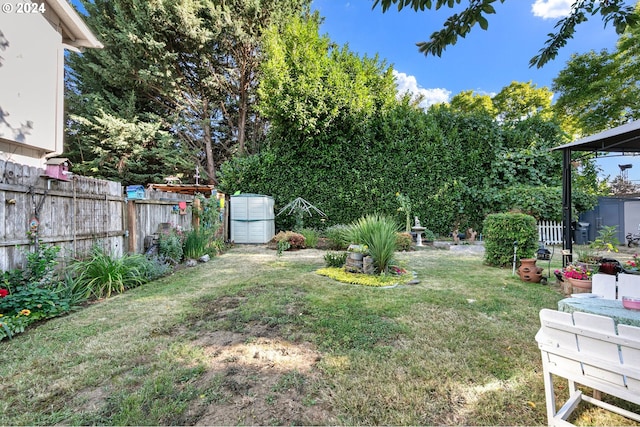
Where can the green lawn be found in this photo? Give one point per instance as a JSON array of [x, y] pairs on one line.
[[252, 338]]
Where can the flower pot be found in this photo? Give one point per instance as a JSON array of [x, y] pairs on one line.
[[580, 286], [528, 271]]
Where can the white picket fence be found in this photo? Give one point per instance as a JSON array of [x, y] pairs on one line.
[[550, 232]]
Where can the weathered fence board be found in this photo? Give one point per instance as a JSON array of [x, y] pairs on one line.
[[75, 214]]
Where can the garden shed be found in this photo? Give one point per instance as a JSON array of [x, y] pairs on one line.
[[252, 218], [621, 139]]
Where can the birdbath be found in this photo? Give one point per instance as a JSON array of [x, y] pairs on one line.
[[418, 229]]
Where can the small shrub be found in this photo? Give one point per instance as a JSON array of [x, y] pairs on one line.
[[283, 245], [16, 324], [31, 294], [335, 259], [155, 267], [500, 233], [101, 275], [296, 240], [404, 241], [42, 302], [311, 237], [429, 236], [170, 245], [337, 236]]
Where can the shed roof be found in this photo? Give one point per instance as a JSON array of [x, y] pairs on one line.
[[192, 189], [624, 138]]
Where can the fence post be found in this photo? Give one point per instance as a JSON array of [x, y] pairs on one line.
[[132, 226], [195, 214]]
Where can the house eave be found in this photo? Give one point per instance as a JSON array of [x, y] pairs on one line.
[[75, 32]]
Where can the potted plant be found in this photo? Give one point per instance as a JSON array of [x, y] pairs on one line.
[[606, 240], [579, 276], [632, 266], [357, 252]]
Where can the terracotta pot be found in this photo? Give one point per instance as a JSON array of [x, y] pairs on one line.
[[580, 286], [528, 271]]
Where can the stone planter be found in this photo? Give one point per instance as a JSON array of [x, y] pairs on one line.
[[356, 256]]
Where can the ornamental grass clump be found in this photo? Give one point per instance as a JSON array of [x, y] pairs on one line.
[[101, 274], [196, 242], [379, 233]]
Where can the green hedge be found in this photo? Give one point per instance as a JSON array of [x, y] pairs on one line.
[[500, 233], [455, 168]]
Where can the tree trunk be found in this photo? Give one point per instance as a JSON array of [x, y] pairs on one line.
[[243, 97], [208, 148]]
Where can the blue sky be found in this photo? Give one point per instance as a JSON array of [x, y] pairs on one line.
[[484, 61]]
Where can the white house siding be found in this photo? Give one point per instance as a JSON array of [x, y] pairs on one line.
[[31, 83]]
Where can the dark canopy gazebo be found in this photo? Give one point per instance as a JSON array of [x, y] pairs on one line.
[[621, 139]]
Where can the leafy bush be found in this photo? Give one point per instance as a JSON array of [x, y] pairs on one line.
[[31, 294], [11, 325], [500, 233], [295, 240], [429, 236], [335, 259], [43, 302], [170, 245], [379, 233], [283, 245], [155, 267], [606, 240], [404, 241], [101, 275], [337, 236], [39, 269], [311, 237]]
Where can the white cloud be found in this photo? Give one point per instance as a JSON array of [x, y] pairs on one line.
[[409, 84], [549, 9]]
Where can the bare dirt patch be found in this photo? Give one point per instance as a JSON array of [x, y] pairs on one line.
[[254, 376]]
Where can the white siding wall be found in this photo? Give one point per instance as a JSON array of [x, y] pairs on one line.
[[31, 85]]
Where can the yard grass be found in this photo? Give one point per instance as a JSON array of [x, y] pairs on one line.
[[252, 338]]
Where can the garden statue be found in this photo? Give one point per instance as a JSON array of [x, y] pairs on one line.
[[471, 235], [418, 229], [456, 236]]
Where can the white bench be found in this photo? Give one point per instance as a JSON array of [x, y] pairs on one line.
[[585, 349]]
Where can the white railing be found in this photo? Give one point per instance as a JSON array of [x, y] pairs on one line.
[[550, 232]]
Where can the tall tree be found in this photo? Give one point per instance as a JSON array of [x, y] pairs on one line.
[[520, 100], [190, 65], [469, 102], [460, 24], [599, 90], [310, 85], [515, 102]]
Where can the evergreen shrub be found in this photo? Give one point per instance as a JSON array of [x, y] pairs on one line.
[[502, 230]]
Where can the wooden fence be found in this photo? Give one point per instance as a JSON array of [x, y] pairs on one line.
[[550, 232], [77, 214]]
